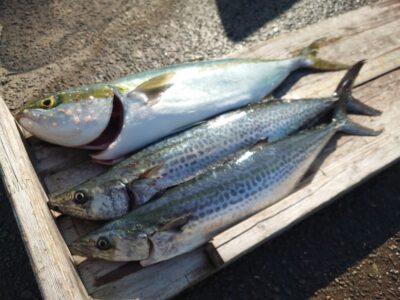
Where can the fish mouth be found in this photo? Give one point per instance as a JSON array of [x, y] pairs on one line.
[[112, 130], [77, 248]]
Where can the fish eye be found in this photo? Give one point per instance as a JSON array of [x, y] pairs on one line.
[[103, 243], [80, 197], [48, 103]]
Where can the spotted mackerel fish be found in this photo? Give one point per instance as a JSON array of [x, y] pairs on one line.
[[174, 160], [124, 115], [187, 216]]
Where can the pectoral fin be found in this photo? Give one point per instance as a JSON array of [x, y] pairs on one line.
[[153, 87], [152, 173], [175, 223]]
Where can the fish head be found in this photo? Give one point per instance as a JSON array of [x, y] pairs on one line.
[[73, 118], [128, 243], [95, 199]]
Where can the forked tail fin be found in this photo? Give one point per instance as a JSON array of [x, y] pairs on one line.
[[344, 92], [345, 125], [340, 118]]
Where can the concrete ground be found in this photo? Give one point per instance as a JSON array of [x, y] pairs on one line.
[[351, 249]]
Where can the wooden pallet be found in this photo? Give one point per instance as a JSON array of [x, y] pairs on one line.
[[368, 33]]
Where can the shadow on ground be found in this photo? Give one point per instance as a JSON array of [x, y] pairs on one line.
[[17, 279], [242, 17]]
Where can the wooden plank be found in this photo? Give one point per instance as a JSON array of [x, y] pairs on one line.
[[48, 254], [342, 30], [354, 160], [50, 159], [159, 281], [368, 33]]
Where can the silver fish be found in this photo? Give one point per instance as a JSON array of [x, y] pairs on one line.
[[127, 114], [187, 216]]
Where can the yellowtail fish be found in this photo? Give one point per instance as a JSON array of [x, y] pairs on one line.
[[127, 114], [176, 159]]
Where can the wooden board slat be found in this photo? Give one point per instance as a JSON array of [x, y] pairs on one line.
[[354, 160], [48, 254], [160, 281]]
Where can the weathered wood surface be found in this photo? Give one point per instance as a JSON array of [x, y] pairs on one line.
[[49, 257], [368, 33]]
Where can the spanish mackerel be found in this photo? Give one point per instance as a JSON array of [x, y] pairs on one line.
[[124, 115], [187, 216], [178, 158]]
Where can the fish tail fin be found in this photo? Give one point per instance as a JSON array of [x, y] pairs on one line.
[[345, 125], [310, 52], [344, 92]]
